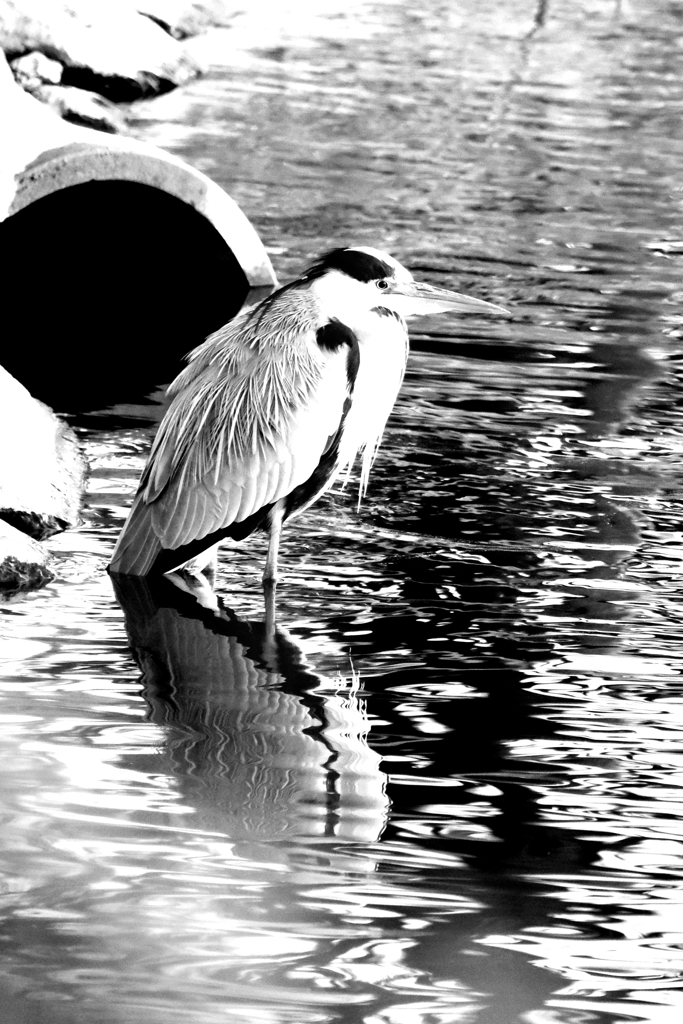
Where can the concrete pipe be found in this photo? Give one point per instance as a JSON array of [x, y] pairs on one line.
[[118, 258]]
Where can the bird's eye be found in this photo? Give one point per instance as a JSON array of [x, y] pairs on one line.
[[382, 285]]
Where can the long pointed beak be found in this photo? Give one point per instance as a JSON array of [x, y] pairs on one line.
[[415, 298]]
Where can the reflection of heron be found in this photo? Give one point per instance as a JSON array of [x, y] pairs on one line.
[[262, 747], [273, 407]]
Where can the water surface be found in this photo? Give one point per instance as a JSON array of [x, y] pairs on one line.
[[449, 790]]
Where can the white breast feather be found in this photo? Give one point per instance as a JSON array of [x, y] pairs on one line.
[[383, 343]]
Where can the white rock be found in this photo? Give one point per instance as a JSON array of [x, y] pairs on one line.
[[81, 106], [23, 562], [125, 53], [41, 466], [34, 68]]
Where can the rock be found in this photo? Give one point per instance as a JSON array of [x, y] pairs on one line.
[[80, 106], [23, 562], [34, 69], [107, 47], [182, 19], [42, 469], [40, 76]]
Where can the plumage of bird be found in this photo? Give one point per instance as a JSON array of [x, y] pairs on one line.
[[274, 406]]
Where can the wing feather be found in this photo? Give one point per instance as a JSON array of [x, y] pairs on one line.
[[251, 472], [204, 512], [276, 477], [248, 423], [138, 544], [197, 497], [263, 486]]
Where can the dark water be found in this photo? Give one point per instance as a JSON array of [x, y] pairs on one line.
[[451, 789]]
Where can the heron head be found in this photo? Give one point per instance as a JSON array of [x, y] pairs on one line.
[[364, 278]]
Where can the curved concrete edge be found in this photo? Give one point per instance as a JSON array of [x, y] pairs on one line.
[[42, 154], [119, 159]]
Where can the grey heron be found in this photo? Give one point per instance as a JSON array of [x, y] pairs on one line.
[[274, 406]]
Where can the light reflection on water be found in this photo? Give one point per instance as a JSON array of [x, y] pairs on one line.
[[450, 790]]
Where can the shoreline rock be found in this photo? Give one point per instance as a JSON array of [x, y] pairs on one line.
[[82, 107], [42, 474], [119, 50], [41, 77], [23, 562]]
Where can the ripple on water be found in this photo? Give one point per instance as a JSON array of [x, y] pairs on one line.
[[450, 788]]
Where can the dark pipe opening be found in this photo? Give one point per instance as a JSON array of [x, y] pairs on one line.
[[107, 286]]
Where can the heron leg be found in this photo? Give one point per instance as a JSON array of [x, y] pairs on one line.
[[277, 514]]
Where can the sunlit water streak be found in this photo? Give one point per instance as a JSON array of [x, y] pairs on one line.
[[451, 791]]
